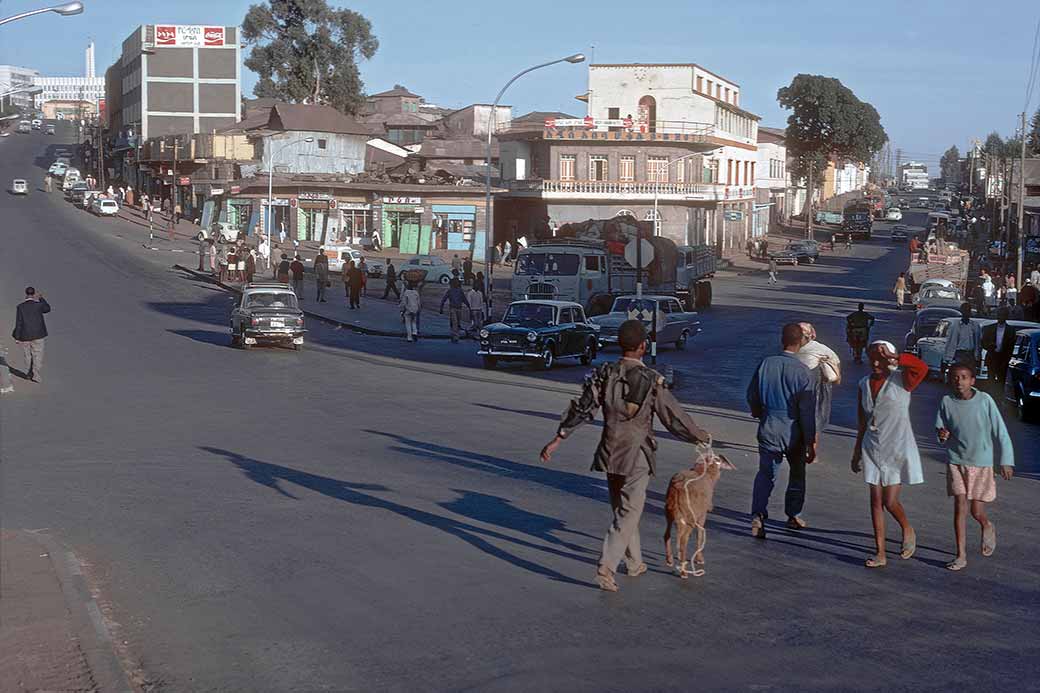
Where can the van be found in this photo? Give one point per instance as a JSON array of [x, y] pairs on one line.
[[24, 126], [37, 124]]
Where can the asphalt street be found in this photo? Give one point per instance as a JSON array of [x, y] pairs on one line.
[[371, 515]]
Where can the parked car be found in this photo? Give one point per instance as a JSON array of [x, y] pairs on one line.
[[939, 297], [87, 198], [267, 313], [894, 214], [924, 325], [75, 192], [932, 349], [900, 233], [340, 255], [675, 325], [19, 187], [57, 169], [223, 232], [797, 252], [49, 129], [104, 207], [37, 124], [437, 270], [1022, 386], [539, 331]]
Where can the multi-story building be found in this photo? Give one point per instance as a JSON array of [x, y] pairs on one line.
[[913, 175], [843, 177], [670, 133], [91, 89], [88, 61], [19, 81]]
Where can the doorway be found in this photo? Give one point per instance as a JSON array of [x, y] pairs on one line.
[[647, 114]]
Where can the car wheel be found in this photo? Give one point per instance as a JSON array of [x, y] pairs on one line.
[[589, 354], [680, 343], [490, 362], [200, 236], [548, 358], [235, 339], [242, 341], [444, 279]]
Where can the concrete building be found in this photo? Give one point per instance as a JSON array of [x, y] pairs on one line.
[[913, 175], [843, 177], [473, 120], [69, 109], [90, 89], [674, 132], [13, 77]]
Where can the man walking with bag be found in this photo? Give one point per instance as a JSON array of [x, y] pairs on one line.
[[30, 330]]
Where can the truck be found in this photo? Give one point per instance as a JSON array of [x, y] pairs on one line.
[[857, 220], [24, 126], [942, 261], [585, 263]]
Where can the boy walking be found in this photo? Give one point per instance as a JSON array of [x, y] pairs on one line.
[[971, 426]]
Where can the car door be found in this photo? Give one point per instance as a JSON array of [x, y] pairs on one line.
[[565, 329], [1018, 367], [666, 326], [582, 329], [678, 319]]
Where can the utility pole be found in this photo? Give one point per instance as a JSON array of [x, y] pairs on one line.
[[1021, 205], [809, 203], [899, 162]]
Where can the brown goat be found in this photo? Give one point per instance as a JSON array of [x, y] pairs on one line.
[[689, 499]]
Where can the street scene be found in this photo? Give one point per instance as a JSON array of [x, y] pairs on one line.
[[314, 381]]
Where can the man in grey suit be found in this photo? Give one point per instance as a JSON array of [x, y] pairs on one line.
[[30, 330], [630, 395]]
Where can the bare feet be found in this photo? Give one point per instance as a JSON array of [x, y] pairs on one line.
[[876, 562], [959, 563], [989, 539], [909, 544]]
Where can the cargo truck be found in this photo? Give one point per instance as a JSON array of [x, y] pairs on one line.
[[857, 220], [586, 263]]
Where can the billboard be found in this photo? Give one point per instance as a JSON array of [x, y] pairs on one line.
[[188, 36]]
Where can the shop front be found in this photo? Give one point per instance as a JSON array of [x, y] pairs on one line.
[[453, 226], [356, 223], [403, 225]]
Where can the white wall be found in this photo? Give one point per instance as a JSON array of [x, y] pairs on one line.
[[343, 153], [768, 152]]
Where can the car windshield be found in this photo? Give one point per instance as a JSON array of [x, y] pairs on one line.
[[624, 305], [273, 299], [940, 292], [548, 264], [528, 315]]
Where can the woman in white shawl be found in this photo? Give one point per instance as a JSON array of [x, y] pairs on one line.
[[825, 366]]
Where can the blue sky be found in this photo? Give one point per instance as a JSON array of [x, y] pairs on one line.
[[939, 72]]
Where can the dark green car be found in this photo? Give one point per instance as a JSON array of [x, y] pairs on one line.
[[539, 331]]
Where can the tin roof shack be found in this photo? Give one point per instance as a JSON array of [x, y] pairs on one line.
[[337, 142]]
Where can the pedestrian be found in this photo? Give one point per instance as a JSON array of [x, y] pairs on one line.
[[283, 269], [972, 428], [963, 340], [410, 304], [857, 331], [772, 270], [832, 242], [391, 280], [321, 273], [249, 265], [211, 254], [296, 268], [456, 299], [900, 290], [1034, 276], [848, 241], [507, 249], [782, 397], [281, 232], [363, 268], [30, 331], [825, 368], [989, 293], [467, 271], [998, 341], [47, 183], [177, 213], [1029, 299], [355, 281], [203, 247], [476, 310], [750, 247], [232, 264], [264, 249], [886, 450], [111, 192], [630, 396], [377, 244]]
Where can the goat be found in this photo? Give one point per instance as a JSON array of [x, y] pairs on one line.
[[689, 499]]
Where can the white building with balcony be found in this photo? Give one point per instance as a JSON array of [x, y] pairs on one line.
[[90, 89], [671, 133]]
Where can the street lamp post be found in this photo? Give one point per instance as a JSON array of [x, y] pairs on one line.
[[270, 195], [489, 217], [66, 10]]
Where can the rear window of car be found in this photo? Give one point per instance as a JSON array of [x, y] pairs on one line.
[[272, 299]]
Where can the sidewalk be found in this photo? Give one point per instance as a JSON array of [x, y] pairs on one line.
[[50, 639]]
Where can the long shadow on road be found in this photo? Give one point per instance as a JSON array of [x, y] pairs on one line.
[[273, 476]]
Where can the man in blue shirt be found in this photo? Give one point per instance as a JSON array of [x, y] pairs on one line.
[[455, 297], [783, 399]]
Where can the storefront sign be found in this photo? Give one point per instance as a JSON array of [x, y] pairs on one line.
[[332, 204], [216, 191], [402, 200], [184, 180], [356, 206], [276, 202], [235, 189], [314, 196], [588, 122], [192, 36]]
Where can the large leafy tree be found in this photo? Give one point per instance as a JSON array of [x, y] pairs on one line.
[[1033, 138], [994, 145], [828, 122], [950, 165], [307, 52]]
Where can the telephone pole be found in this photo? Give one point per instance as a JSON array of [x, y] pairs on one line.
[[1021, 205], [899, 162]]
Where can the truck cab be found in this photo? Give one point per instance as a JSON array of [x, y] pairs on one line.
[[566, 271]]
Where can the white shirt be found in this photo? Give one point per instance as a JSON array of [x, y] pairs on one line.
[[1000, 334], [1034, 277]]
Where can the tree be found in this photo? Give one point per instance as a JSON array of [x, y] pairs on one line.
[[994, 145], [950, 165], [1033, 140], [307, 52], [828, 122]]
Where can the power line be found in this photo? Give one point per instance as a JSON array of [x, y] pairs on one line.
[[1034, 67]]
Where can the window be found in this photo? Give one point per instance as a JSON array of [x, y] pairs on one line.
[[566, 316], [700, 84], [709, 87], [727, 94], [592, 263], [598, 169], [567, 166], [729, 171], [651, 215], [680, 172], [656, 169], [627, 169], [323, 144], [710, 172], [674, 306], [752, 173], [613, 113]]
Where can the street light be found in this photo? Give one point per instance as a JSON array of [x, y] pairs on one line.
[[66, 10], [270, 195], [489, 218]]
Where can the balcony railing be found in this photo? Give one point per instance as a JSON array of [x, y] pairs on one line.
[[633, 189]]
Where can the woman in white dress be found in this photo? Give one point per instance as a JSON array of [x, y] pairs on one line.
[[886, 450]]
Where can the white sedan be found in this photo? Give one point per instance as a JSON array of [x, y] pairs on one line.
[[19, 187], [894, 214], [104, 207]]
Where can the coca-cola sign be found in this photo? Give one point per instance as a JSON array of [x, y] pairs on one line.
[[189, 36]]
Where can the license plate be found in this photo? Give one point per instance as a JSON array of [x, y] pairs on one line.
[[277, 323], [509, 341]]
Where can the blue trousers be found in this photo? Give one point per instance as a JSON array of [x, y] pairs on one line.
[[769, 462]]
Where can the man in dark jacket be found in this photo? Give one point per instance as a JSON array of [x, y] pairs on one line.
[[391, 280], [630, 395], [355, 281], [30, 330], [321, 273], [998, 340]]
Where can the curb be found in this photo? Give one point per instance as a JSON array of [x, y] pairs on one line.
[[87, 621], [359, 329]]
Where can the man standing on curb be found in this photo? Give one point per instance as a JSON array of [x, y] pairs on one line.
[[321, 273], [630, 395], [456, 299], [30, 330], [782, 396]]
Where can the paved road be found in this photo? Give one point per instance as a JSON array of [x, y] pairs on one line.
[[370, 515]]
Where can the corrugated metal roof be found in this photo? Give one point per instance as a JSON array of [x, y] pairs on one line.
[[297, 117]]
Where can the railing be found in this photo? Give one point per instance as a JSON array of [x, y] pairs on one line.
[[701, 191]]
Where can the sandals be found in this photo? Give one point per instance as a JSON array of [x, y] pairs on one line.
[[989, 540], [636, 572], [873, 562], [957, 564], [606, 582], [909, 545], [758, 527], [795, 522]]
